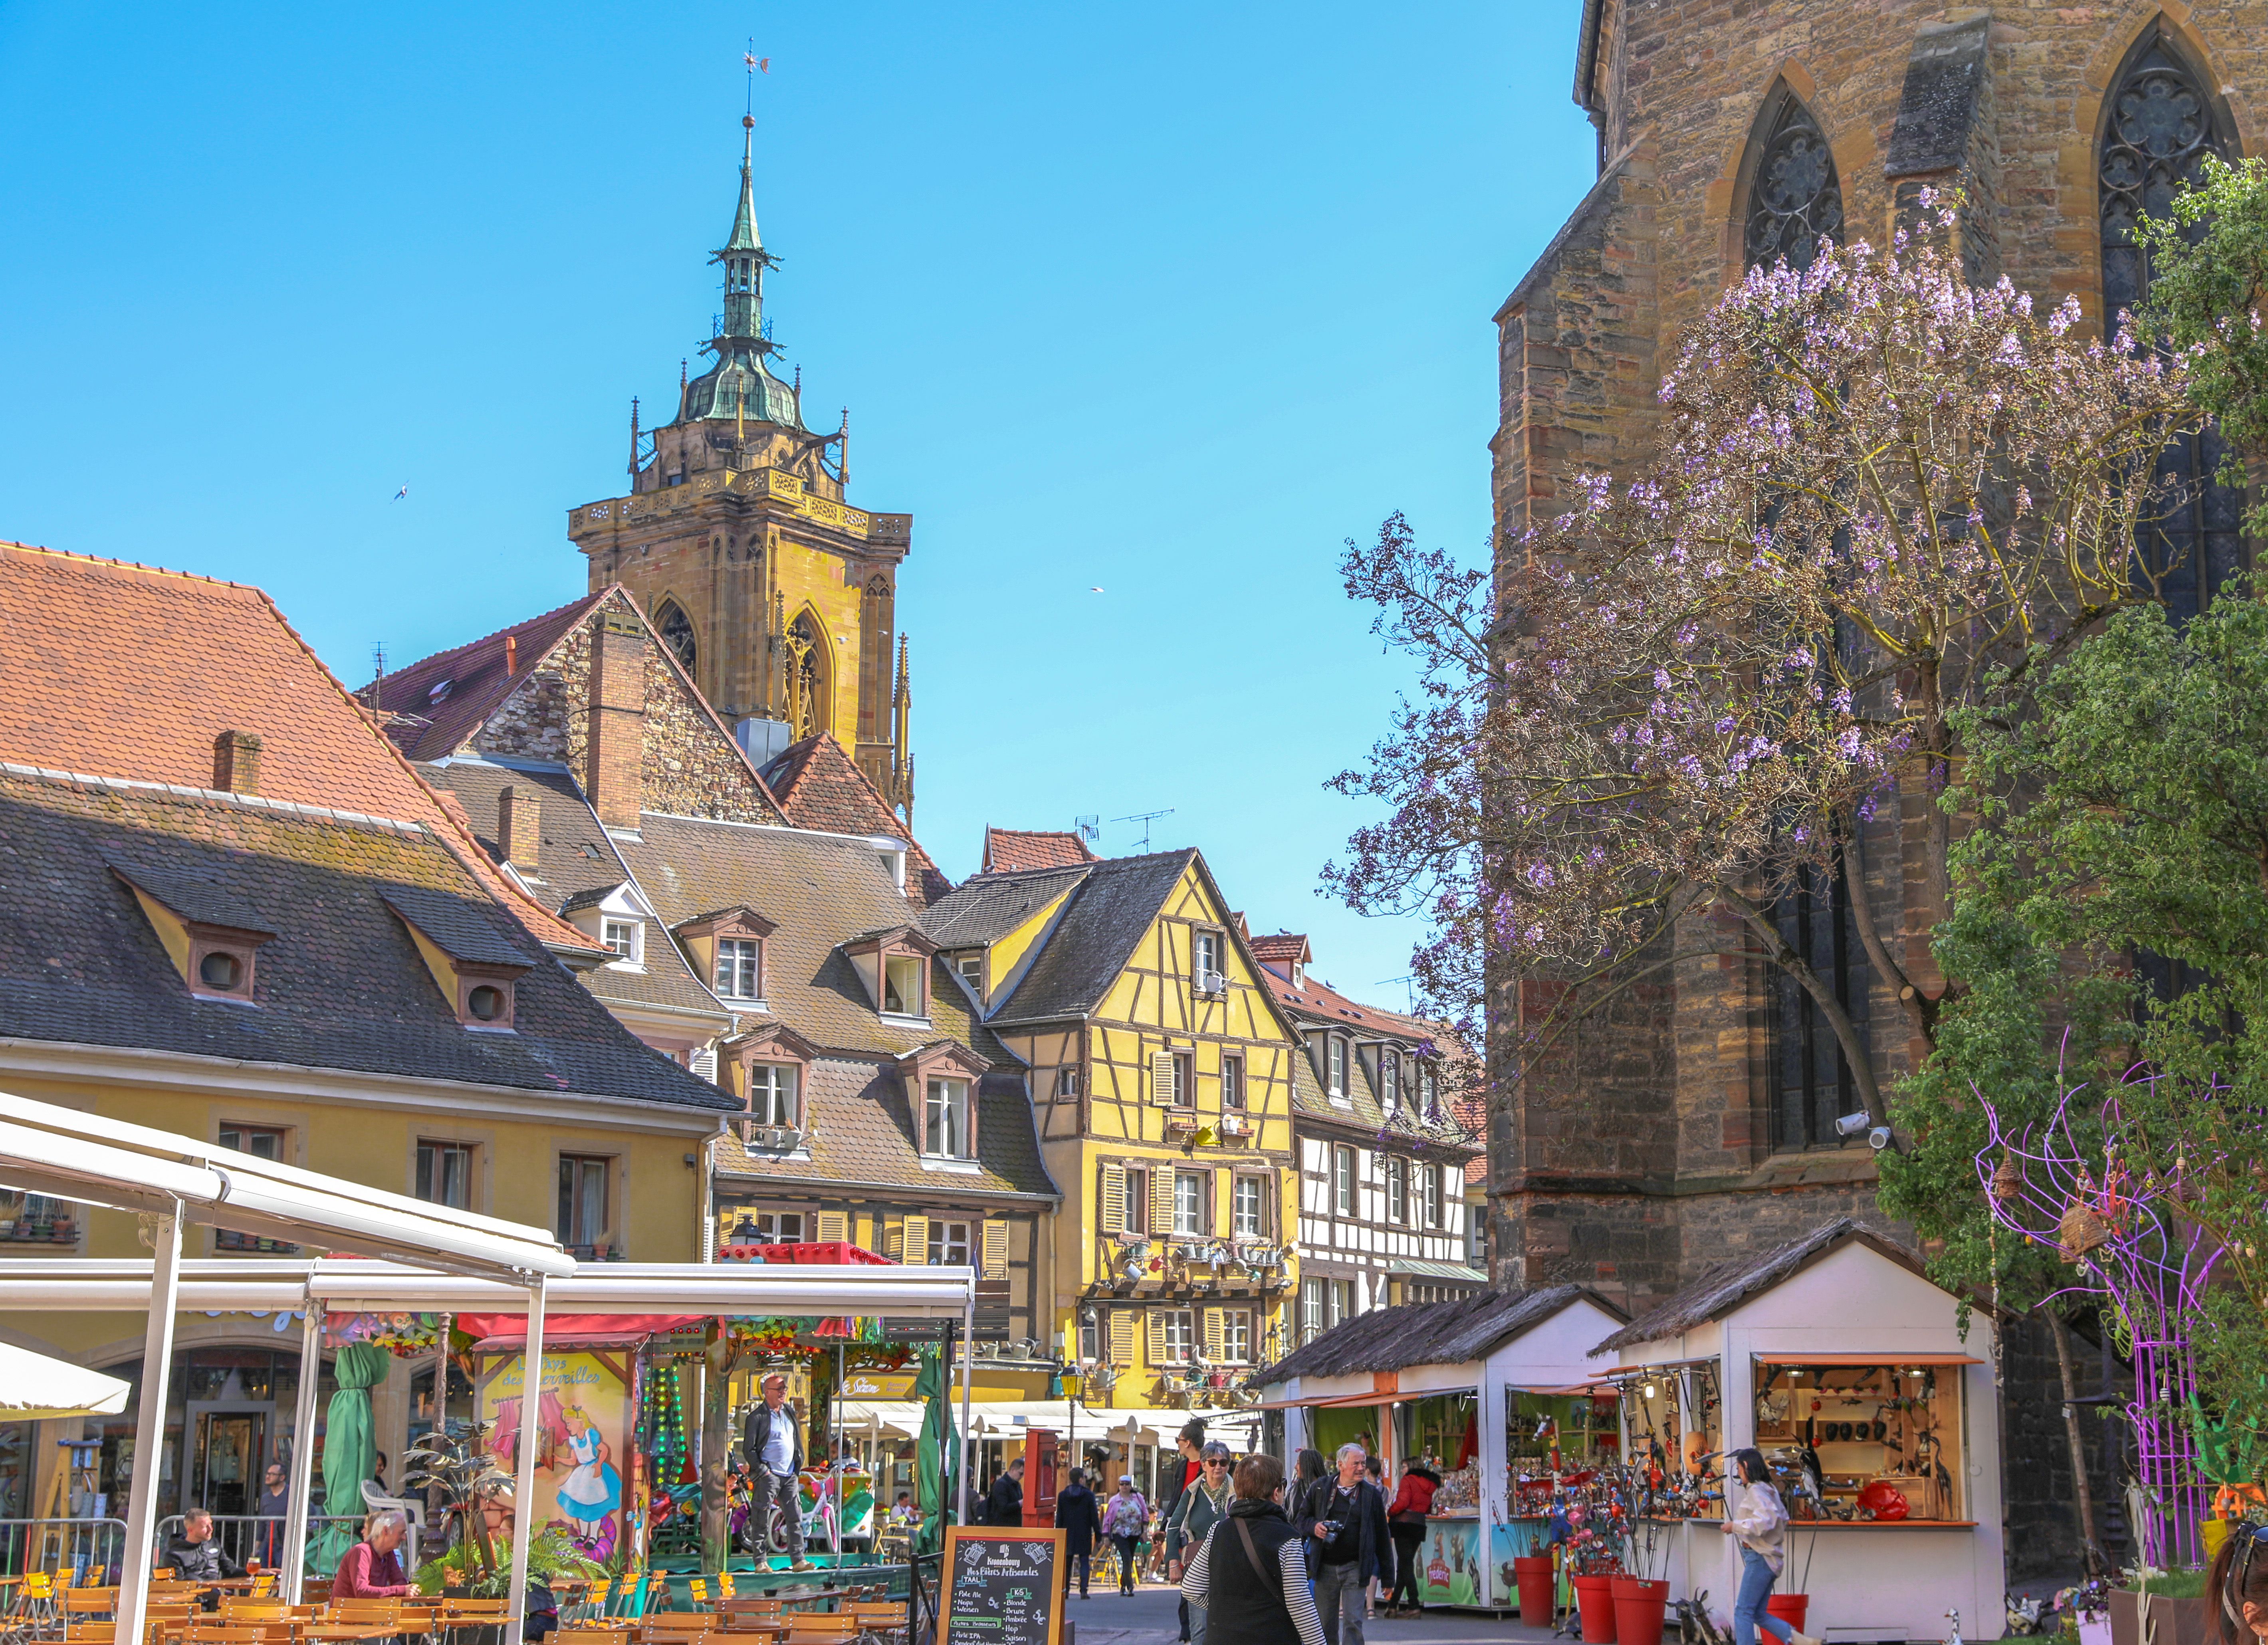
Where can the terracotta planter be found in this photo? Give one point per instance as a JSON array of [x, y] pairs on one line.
[[1639, 1606], [1595, 1603], [1532, 1572], [1789, 1608]]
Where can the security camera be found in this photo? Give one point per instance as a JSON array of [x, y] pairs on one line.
[[1852, 1124], [1879, 1138]]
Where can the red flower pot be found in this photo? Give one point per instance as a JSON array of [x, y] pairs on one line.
[[1789, 1608], [1639, 1606], [1533, 1574], [1595, 1602]]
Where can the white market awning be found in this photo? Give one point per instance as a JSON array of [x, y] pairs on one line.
[[35, 1388]]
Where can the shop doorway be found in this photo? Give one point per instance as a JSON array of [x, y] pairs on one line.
[[228, 1448]]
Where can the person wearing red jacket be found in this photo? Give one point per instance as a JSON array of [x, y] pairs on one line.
[[1405, 1519]]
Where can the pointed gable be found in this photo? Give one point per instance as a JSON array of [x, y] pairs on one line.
[[434, 706], [1012, 850], [821, 787]]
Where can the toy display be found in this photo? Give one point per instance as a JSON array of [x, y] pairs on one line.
[[1861, 1442]]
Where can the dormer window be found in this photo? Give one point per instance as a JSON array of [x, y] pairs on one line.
[[945, 1126], [625, 939], [772, 1094], [614, 917], [903, 990], [727, 947], [476, 969], [211, 934], [767, 1070], [1335, 1067], [1390, 1080], [740, 968]]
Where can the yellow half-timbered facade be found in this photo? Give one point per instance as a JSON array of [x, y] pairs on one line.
[[1162, 1078]]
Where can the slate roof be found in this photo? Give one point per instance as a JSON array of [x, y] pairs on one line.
[[1725, 1287], [575, 859], [862, 1131], [821, 890], [991, 906], [1427, 1333], [476, 678], [1094, 940], [1010, 850], [128, 671], [341, 986], [819, 786]]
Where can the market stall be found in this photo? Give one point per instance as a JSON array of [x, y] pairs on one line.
[[1838, 1359], [1444, 1383]]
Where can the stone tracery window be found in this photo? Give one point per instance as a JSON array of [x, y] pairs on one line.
[[1795, 200], [677, 634], [2159, 124]]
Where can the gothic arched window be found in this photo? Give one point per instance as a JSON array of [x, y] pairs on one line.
[[808, 705], [1795, 200], [677, 634], [2159, 124]]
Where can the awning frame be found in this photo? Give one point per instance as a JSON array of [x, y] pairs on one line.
[[1854, 1360]]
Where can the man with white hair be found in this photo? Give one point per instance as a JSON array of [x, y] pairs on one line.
[[1351, 1539], [372, 1568]]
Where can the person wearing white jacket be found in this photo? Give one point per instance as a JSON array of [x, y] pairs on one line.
[[1762, 1528]]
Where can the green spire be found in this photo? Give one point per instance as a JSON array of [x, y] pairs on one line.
[[744, 221], [740, 388]]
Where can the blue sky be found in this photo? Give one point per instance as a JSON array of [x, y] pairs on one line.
[[1168, 300]]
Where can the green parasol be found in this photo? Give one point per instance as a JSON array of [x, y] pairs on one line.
[[349, 1450], [936, 1452]]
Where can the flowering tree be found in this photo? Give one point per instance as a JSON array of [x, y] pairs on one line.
[[1882, 495]]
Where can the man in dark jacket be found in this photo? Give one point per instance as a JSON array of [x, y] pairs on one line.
[[1003, 1503], [1354, 1546], [193, 1552], [772, 1443], [1081, 1522]]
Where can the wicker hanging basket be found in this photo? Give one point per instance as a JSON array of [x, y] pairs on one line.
[[2006, 1179], [2083, 1228]]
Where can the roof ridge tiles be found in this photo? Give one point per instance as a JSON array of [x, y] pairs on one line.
[[218, 797], [130, 565]]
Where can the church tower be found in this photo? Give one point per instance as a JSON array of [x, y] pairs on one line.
[[737, 538]]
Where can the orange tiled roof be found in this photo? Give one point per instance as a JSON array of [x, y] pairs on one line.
[[129, 671], [1281, 948], [1010, 850], [819, 786], [472, 680]]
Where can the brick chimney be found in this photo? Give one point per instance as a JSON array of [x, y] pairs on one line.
[[617, 735], [236, 762], [520, 826]]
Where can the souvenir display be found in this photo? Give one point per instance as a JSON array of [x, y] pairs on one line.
[[1862, 1442]]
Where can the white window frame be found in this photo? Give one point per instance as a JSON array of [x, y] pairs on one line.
[[1345, 1189], [1335, 1067], [1181, 1335], [1248, 1192], [945, 1239], [1436, 1196], [1067, 1082], [739, 959], [623, 935], [1236, 1336], [947, 1119], [1231, 1084], [918, 968], [1398, 1189], [774, 1097], [1389, 1078], [1189, 1204], [1314, 1304]]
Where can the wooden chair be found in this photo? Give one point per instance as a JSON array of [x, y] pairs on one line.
[[587, 1636], [470, 1613], [665, 1629], [83, 1606]]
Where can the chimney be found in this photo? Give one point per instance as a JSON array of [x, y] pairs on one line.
[[511, 655], [520, 826], [611, 773], [236, 762]]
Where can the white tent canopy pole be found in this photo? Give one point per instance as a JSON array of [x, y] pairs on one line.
[[303, 1454]]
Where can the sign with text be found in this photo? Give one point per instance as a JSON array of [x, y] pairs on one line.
[[1003, 1586]]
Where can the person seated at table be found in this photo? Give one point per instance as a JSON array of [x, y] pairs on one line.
[[372, 1568], [194, 1554]]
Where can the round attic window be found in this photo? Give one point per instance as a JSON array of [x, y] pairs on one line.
[[485, 1002], [217, 970]]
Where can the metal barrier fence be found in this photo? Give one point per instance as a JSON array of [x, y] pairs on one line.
[[245, 1537], [76, 1545]]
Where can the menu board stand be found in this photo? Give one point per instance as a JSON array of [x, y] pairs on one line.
[[1001, 1585]]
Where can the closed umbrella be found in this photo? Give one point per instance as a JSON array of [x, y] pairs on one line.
[[936, 1444], [349, 1447], [35, 1388]]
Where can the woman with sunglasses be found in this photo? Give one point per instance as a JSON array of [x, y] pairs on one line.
[[1201, 1508]]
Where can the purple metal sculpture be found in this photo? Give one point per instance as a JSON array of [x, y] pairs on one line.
[[2102, 1204]]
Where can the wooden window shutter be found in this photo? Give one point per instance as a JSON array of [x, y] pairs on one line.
[[1122, 1336], [1161, 1202], [1214, 1334], [893, 1241], [1163, 1070], [1156, 1336], [917, 1238], [833, 1227], [1114, 1199], [995, 1248]]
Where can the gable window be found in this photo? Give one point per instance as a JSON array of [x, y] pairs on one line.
[[948, 1245], [1398, 1189], [620, 938], [1189, 1202], [944, 1119], [1426, 1090], [1205, 962], [1334, 1059], [677, 634], [1433, 1196], [445, 1173], [1231, 1084], [1138, 1201], [1389, 1079], [1342, 1181], [904, 986], [740, 968], [771, 1094], [1248, 1208], [584, 1192]]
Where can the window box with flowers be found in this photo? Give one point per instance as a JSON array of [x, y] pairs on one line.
[[769, 1071]]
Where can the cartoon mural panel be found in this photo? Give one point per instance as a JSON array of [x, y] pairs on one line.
[[584, 1419]]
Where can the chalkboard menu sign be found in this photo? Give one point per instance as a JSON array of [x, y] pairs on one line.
[[1003, 1586]]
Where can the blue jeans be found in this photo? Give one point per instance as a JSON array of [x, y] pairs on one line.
[[1748, 1612]]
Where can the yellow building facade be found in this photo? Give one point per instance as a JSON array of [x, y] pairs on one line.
[[1161, 1075]]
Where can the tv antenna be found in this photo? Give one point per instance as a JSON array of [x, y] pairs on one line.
[[1408, 990], [1090, 828], [1146, 819]]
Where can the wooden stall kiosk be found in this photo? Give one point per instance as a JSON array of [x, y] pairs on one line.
[[1838, 1359], [1441, 1381]]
